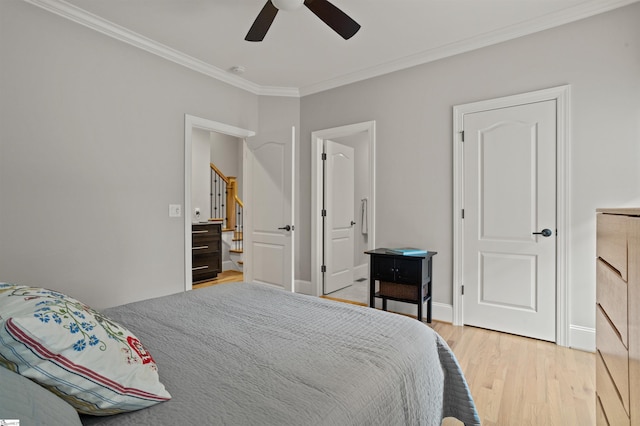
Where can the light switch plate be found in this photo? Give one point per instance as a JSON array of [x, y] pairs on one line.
[[175, 210]]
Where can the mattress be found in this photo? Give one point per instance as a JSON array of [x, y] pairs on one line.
[[249, 354]]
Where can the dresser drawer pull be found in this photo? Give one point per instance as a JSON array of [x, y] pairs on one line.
[[206, 231], [200, 248], [197, 268]]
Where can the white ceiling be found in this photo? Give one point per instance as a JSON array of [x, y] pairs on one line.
[[300, 54]]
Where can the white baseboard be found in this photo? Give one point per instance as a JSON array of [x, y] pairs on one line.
[[583, 338], [303, 287], [442, 312], [229, 265], [361, 271], [439, 311]]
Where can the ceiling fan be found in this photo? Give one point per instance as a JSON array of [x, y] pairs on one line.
[[339, 21]]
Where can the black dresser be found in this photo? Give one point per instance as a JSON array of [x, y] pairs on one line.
[[206, 251]]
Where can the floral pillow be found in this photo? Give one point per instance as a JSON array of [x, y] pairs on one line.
[[95, 364]]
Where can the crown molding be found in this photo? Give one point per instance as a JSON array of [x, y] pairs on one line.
[[110, 29], [552, 20]]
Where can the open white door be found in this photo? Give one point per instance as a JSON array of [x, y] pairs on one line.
[[339, 220], [269, 191], [510, 219]]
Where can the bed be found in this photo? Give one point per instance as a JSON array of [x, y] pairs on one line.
[[248, 354]]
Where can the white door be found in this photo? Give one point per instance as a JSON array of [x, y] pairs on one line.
[[509, 269], [339, 220], [270, 182]]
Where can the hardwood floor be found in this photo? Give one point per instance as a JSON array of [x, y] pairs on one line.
[[520, 381], [223, 277]]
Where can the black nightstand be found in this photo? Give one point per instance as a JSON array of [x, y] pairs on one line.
[[405, 278]]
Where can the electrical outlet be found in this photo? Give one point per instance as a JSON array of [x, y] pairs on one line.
[[175, 210], [197, 212]]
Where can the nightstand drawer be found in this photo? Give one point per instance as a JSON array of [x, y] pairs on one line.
[[612, 241], [611, 294]]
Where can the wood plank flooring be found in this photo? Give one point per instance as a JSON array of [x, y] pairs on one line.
[[223, 277], [520, 381]]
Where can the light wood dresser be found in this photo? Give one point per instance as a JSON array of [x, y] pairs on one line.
[[618, 317]]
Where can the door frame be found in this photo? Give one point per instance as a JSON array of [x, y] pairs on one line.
[[317, 142], [561, 95], [192, 122]]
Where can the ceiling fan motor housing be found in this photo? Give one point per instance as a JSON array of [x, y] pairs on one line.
[[287, 4]]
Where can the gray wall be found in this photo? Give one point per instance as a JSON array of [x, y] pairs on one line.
[[200, 175], [92, 154], [92, 139], [599, 57]]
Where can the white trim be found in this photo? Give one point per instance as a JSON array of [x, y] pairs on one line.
[[361, 271], [561, 95], [442, 312], [82, 17], [292, 207], [439, 311], [304, 287], [583, 338], [317, 139], [584, 10], [192, 122], [113, 30]]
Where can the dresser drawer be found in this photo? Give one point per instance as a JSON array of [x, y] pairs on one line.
[[612, 241], [205, 245], [205, 267], [205, 231], [611, 294], [608, 396], [614, 355]]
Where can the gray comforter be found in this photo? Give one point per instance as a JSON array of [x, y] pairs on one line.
[[246, 354]]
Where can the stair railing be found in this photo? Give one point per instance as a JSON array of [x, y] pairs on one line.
[[227, 206]]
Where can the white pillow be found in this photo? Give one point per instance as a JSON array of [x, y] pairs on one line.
[[95, 364]]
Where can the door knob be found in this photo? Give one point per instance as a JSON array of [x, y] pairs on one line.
[[352, 223], [545, 233], [286, 228]]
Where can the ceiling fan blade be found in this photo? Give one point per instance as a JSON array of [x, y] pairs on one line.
[[339, 21], [262, 23]]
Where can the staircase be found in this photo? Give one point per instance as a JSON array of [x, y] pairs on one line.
[[227, 207]]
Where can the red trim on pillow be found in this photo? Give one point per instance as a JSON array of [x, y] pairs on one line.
[[17, 333]]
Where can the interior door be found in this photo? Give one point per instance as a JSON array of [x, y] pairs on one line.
[[269, 182], [339, 219], [509, 254]]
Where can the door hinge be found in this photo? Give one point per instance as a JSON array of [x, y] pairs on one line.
[[323, 213], [462, 135], [324, 156], [323, 268], [463, 213], [462, 289]]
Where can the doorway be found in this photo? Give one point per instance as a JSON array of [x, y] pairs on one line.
[[268, 188], [199, 126], [510, 177], [217, 194], [340, 237]]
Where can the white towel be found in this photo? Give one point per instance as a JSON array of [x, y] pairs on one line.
[[363, 221]]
